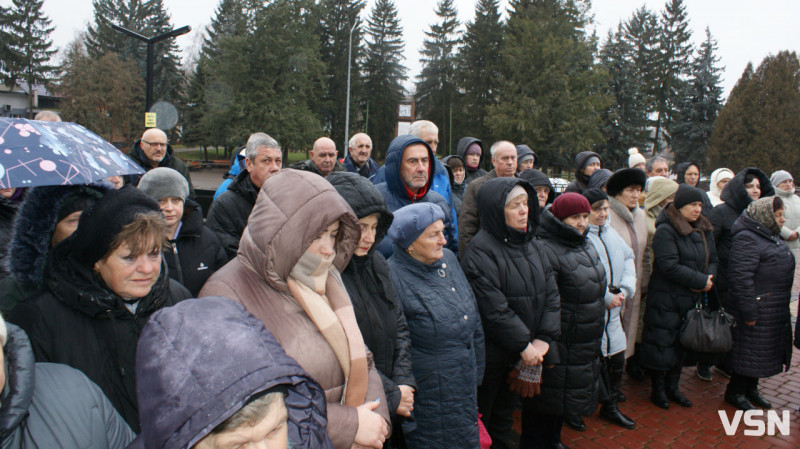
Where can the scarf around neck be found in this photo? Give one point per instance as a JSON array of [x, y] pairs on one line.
[[318, 288]]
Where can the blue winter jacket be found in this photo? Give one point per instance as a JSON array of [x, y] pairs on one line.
[[447, 350], [623, 267], [201, 361], [396, 197], [368, 170]]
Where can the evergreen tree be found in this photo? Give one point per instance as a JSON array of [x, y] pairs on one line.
[[437, 88], [551, 97], [759, 126], [625, 120], [148, 18], [383, 74], [479, 70], [337, 18], [673, 66], [8, 43], [641, 35], [97, 93], [232, 19], [701, 102], [32, 45]]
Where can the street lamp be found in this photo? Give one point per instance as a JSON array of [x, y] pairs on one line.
[[151, 41], [347, 108]]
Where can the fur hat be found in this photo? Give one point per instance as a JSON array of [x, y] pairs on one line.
[[635, 157], [164, 182], [411, 220], [569, 204], [623, 178], [687, 194]]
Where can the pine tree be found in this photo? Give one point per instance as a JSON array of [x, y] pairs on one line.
[[148, 18], [551, 97], [675, 52], [641, 35], [32, 45], [701, 101], [337, 18], [479, 70], [759, 126], [625, 120], [383, 74], [8, 42], [437, 88]]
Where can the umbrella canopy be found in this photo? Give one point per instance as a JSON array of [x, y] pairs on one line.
[[37, 153]]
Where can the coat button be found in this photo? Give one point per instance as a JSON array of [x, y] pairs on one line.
[[444, 265], [466, 317], [453, 288]]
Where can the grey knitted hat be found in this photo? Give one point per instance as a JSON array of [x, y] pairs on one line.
[[164, 182]]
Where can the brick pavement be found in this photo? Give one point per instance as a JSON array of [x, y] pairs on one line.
[[695, 427]]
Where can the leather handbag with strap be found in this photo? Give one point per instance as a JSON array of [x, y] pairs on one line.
[[706, 330]]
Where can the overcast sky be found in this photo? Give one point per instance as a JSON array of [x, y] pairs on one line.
[[746, 30]]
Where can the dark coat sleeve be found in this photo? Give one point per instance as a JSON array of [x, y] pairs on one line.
[[468, 222], [223, 220], [30, 319], [550, 325], [667, 259], [501, 324], [744, 256]]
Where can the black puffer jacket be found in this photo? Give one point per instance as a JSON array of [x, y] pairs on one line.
[[573, 383], [761, 272], [228, 214], [137, 154], [75, 320], [197, 252], [461, 150], [722, 217], [512, 280], [684, 256], [369, 284]]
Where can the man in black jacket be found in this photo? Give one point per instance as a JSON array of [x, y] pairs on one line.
[[152, 151], [323, 159], [228, 214]]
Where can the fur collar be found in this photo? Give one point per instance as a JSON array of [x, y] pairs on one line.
[[620, 210], [681, 225]]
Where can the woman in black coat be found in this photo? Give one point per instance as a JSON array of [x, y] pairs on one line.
[[761, 273], [570, 383], [684, 267], [516, 293], [99, 287], [369, 284]]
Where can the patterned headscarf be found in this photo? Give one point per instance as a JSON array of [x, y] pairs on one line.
[[761, 211]]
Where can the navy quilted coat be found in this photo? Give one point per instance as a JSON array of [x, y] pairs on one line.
[[446, 350], [573, 383], [761, 266]]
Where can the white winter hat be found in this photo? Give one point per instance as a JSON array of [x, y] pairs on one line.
[[635, 157]]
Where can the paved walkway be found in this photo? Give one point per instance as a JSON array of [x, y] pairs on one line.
[[697, 427]]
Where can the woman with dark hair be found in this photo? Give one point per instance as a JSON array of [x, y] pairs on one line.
[[369, 284], [570, 386], [446, 334], [100, 285], [748, 185], [684, 268], [517, 297], [761, 274]]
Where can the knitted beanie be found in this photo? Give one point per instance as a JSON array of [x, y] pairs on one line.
[[635, 157], [164, 182], [780, 176], [569, 204], [515, 192], [595, 195], [687, 194]]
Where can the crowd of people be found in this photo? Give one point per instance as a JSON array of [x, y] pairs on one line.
[[343, 304]]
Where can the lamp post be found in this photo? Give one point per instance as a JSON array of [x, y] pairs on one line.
[[347, 108], [151, 41]]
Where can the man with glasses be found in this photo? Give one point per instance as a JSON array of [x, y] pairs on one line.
[[152, 151]]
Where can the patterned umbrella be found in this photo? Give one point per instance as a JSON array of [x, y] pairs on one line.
[[37, 153]]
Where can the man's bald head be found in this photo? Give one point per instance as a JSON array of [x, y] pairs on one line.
[[47, 116], [323, 155], [154, 145]]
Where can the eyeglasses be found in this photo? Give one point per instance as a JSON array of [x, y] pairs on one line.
[[156, 144]]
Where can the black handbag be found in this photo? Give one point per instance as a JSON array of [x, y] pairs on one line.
[[706, 330]]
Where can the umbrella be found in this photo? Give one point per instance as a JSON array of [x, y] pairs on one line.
[[37, 153]]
